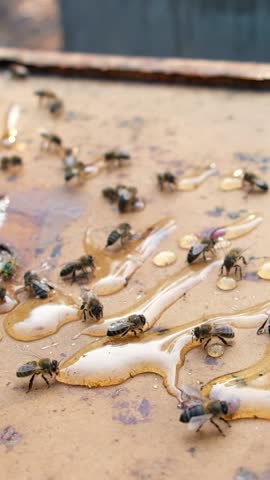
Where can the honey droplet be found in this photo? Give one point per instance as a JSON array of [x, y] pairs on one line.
[[230, 183], [188, 241], [226, 283], [215, 350], [165, 258], [191, 182], [264, 271], [7, 305]]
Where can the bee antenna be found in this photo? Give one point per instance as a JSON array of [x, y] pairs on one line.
[[26, 352]]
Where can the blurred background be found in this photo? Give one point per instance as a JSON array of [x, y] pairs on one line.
[[214, 29]]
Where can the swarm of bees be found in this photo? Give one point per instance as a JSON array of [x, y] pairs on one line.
[[85, 264], [36, 286]]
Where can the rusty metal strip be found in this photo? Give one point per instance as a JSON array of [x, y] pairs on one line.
[[169, 70]]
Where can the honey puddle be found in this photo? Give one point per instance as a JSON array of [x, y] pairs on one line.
[[115, 269], [159, 298], [196, 179], [105, 362], [37, 318], [233, 230]]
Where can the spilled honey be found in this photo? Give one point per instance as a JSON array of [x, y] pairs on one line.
[[105, 363], [233, 182], [215, 350], [37, 318], [116, 268], [197, 178], [159, 298], [236, 229], [165, 258], [7, 305], [226, 283], [264, 271]]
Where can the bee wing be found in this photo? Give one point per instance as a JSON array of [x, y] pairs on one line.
[[189, 392], [41, 285], [198, 248], [197, 422], [31, 366]]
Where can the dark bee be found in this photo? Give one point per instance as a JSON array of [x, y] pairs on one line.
[[116, 157], [77, 171], [56, 107], [123, 232], [8, 269], [91, 306], [5, 248], [167, 181], [50, 141], [254, 181], [82, 264], [45, 96], [110, 194], [18, 71], [38, 287], [7, 163], [230, 261], [132, 324], [3, 293], [262, 329], [198, 410], [207, 244], [127, 199], [42, 367], [208, 331]]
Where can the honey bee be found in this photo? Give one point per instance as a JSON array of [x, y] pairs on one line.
[[50, 141], [45, 96], [8, 269], [5, 248], [208, 331], [127, 199], [91, 306], [82, 264], [42, 367], [7, 163], [77, 171], [262, 329], [167, 181], [253, 181], [230, 261], [207, 244], [122, 232], [3, 293], [132, 324], [56, 107], [38, 287], [110, 194], [116, 157], [18, 71], [198, 410]]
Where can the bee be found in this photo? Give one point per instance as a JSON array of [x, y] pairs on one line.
[[254, 181], [110, 194], [116, 157], [230, 261], [56, 107], [40, 288], [91, 306], [127, 198], [122, 232], [3, 293], [8, 269], [262, 329], [133, 324], [208, 331], [42, 367], [7, 163], [77, 171], [50, 141], [82, 264], [197, 410], [207, 244], [18, 71], [5, 248], [45, 96], [167, 181]]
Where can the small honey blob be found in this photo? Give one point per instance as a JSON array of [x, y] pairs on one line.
[[165, 258], [264, 271], [188, 241], [215, 350], [230, 183], [226, 283]]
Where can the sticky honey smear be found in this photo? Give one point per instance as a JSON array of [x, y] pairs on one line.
[[105, 362], [37, 318], [10, 132], [233, 182], [115, 269], [7, 305], [236, 229], [196, 179], [158, 299]]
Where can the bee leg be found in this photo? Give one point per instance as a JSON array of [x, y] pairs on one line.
[[205, 345], [224, 341], [84, 315], [221, 270], [225, 421], [140, 330], [31, 383], [73, 277], [135, 333], [237, 268], [46, 380], [218, 427], [260, 330], [243, 260]]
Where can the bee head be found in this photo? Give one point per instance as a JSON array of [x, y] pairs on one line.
[[55, 366], [224, 407]]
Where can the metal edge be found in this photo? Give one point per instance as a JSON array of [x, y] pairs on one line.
[[145, 69]]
